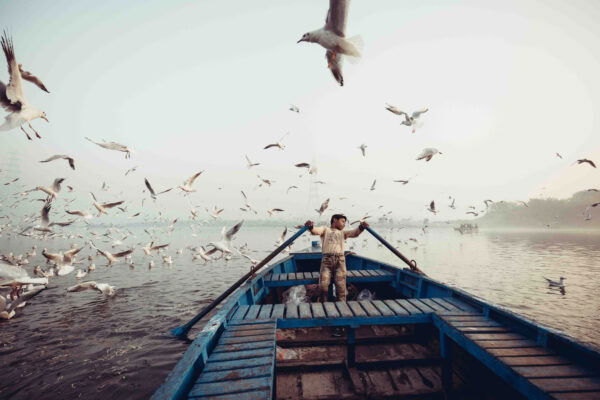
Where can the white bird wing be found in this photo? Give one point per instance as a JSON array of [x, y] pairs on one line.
[[192, 178], [28, 76], [337, 16], [417, 114], [14, 90], [234, 229]]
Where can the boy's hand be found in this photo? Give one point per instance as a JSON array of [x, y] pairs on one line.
[[309, 224], [363, 225]]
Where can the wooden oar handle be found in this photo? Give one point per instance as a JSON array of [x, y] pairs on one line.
[[411, 263]]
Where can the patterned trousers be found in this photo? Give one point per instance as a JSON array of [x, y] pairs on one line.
[[333, 264]]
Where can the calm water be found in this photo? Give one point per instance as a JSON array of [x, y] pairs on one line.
[[84, 345]]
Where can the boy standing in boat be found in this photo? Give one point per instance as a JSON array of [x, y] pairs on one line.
[[333, 262]]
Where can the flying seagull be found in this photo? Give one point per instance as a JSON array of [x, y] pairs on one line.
[[428, 153], [224, 244], [585, 160], [409, 120], [558, 155], [113, 146], [432, 207], [53, 190], [63, 157], [274, 210], [112, 258], [333, 38], [103, 288], [102, 207], [362, 148], [250, 163], [277, 144], [373, 185], [323, 207], [302, 165], [294, 109], [187, 185], [11, 96], [153, 194]]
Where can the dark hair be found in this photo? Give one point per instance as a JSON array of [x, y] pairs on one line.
[[337, 216]]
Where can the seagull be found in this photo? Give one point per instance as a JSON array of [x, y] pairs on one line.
[[63, 157], [112, 258], [149, 248], [281, 239], [409, 120], [472, 212], [428, 153], [187, 185], [522, 202], [362, 148], [103, 288], [216, 211], [113, 146], [556, 283], [432, 207], [333, 38], [224, 244], [62, 260], [11, 96], [277, 144], [323, 207], [289, 188], [53, 190], [373, 185], [131, 170], [252, 260], [28, 76], [487, 203], [202, 253], [84, 214], [250, 163], [153, 194], [102, 207], [302, 165], [268, 182], [273, 210], [452, 204], [559, 156], [585, 160], [294, 109]]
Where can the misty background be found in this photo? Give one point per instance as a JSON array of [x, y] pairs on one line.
[[196, 86]]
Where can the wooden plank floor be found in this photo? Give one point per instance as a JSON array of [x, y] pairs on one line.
[[350, 309], [304, 278], [241, 366], [554, 375]]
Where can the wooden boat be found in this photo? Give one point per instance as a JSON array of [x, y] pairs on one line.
[[420, 339]]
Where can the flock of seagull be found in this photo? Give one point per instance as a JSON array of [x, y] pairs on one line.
[[18, 286]]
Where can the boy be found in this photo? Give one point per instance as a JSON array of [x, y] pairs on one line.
[[333, 262]]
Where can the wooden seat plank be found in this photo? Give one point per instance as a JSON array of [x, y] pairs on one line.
[[315, 275], [237, 364], [566, 384], [249, 326], [317, 310], [260, 394], [460, 304], [291, 310], [245, 339], [534, 361], [344, 309], [383, 308], [433, 304], [421, 306], [228, 347], [291, 276], [495, 336], [395, 307], [228, 375], [278, 311], [241, 312], [264, 331], [521, 351], [253, 311], [474, 324], [577, 395], [484, 329], [441, 301], [357, 310], [241, 385], [370, 308], [498, 344], [242, 354], [408, 306], [562, 371], [331, 310], [304, 310], [265, 311]]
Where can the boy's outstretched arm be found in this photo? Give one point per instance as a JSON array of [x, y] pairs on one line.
[[314, 231]]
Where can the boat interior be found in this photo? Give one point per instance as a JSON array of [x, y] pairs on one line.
[[410, 337]]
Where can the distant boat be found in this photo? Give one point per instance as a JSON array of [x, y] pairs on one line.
[[418, 338]]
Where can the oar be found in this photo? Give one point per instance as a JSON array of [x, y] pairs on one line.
[[182, 331], [411, 263]]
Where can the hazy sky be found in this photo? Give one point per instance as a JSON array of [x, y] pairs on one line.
[[197, 85]]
